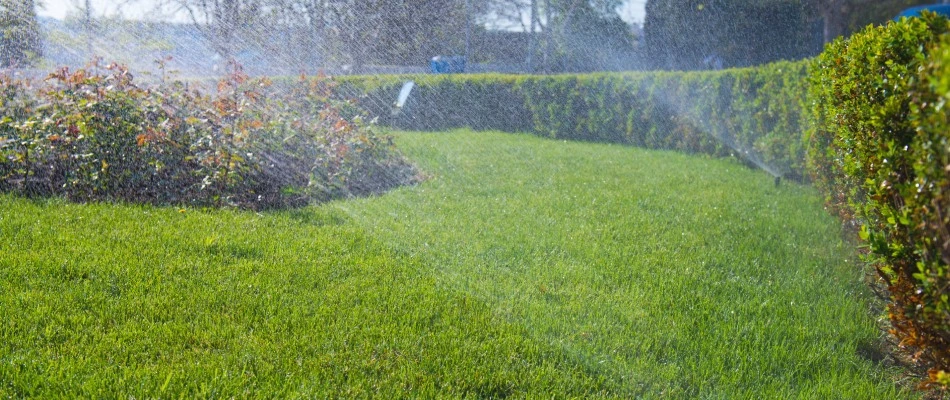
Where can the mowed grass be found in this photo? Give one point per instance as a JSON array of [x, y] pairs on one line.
[[522, 267]]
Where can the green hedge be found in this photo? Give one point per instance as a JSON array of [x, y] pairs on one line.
[[439, 102], [880, 151], [754, 113]]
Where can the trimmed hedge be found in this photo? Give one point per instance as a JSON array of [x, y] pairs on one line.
[[440, 102], [880, 151], [753, 113]]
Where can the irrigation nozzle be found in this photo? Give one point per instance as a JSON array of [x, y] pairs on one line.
[[403, 97]]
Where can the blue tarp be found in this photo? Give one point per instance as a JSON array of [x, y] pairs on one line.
[[447, 65]]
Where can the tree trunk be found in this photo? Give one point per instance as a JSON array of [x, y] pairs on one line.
[[531, 36], [87, 25], [223, 24], [833, 14], [315, 13], [549, 36]]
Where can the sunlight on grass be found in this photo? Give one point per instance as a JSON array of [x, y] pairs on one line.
[[522, 267]]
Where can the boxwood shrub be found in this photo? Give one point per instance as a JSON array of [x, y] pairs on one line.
[[879, 151]]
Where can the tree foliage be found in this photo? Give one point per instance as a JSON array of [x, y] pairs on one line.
[[568, 35], [845, 17], [696, 34], [400, 32], [19, 33], [318, 32], [596, 41], [227, 24]]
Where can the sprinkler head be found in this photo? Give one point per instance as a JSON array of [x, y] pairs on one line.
[[778, 181]]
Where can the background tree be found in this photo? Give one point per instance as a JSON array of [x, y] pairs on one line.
[[844, 17], [865, 12], [568, 35], [304, 35], [226, 24], [586, 36], [402, 32], [307, 33], [295, 33], [20, 42], [697, 34], [509, 14]]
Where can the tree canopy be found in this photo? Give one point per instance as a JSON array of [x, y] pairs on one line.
[[20, 40], [696, 34], [566, 34], [845, 17]]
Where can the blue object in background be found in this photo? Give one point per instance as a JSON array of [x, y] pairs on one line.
[[447, 65], [437, 66], [942, 9]]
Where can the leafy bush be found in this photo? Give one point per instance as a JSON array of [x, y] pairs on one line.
[[90, 136], [879, 151], [755, 113]]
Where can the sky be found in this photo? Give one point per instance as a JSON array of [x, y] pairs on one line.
[[631, 10], [60, 8]]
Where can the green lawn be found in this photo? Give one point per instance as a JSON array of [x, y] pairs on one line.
[[522, 266]]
